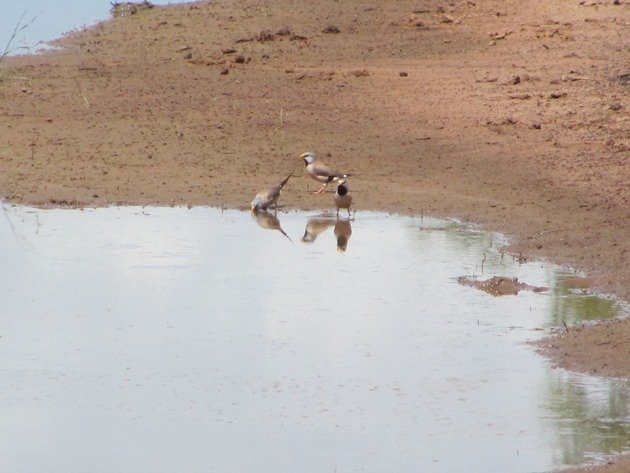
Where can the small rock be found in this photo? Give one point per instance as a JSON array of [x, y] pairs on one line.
[[240, 59], [616, 106], [403, 74], [331, 29], [558, 95], [228, 51], [49, 120], [265, 36], [224, 71], [517, 80], [188, 56], [536, 126]]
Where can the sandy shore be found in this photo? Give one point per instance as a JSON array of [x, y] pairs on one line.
[[509, 114]]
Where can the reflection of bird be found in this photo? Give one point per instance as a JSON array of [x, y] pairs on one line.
[[315, 226], [268, 197], [319, 171], [343, 199], [269, 222], [343, 230]]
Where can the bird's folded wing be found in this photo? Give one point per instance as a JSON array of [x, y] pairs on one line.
[[323, 170]]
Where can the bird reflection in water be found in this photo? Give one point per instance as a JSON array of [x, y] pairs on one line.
[[343, 230], [269, 222], [315, 226]]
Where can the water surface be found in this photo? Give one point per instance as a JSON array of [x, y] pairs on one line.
[[174, 339]]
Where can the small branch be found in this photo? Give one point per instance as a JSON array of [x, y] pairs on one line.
[[18, 28]]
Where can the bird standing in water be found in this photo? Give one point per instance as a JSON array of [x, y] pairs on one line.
[[319, 171], [268, 197], [343, 198]]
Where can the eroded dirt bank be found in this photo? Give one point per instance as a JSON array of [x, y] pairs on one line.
[[512, 114]]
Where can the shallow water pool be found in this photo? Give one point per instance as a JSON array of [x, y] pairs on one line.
[[175, 339]]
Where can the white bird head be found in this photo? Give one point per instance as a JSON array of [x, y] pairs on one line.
[[308, 157]]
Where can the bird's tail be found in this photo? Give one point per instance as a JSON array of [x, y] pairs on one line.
[[285, 181], [343, 176]]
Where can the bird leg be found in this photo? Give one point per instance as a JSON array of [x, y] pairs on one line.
[[321, 189]]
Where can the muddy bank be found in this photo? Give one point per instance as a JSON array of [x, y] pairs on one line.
[[509, 114], [616, 465]]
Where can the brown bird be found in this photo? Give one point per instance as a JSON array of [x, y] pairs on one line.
[[268, 197], [343, 198], [319, 171]]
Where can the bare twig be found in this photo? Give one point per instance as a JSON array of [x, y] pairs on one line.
[[18, 28]]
